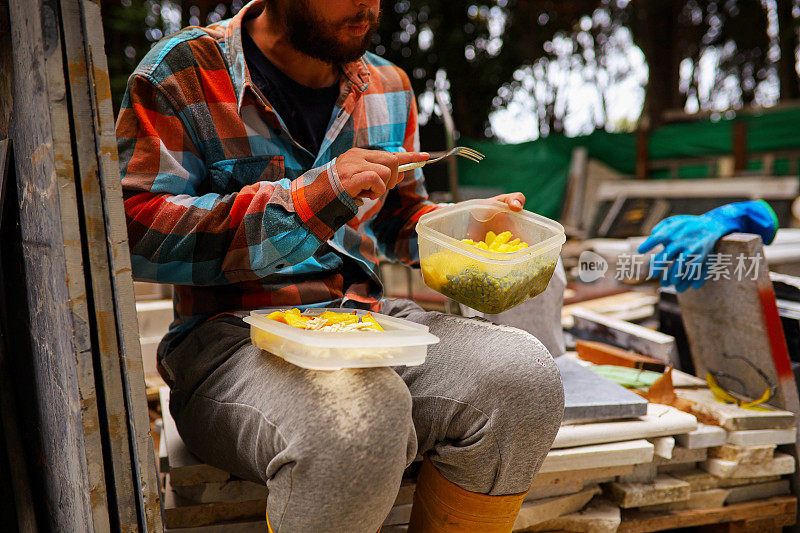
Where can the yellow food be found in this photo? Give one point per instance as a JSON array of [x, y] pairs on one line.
[[327, 321], [369, 319], [498, 243], [484, 286], [339, 318]]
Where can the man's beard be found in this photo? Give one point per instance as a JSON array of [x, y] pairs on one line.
[[316, 38]]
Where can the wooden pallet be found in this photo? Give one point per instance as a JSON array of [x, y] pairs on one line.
[[748, 516]]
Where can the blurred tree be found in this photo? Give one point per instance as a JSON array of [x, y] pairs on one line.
[[700, 54]]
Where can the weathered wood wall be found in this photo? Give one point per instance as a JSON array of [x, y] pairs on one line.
[[77, 327]]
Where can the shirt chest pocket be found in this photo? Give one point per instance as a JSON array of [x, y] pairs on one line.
[[230, 175]]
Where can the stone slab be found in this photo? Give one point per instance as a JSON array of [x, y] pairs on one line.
[[732, 316], [739, 481], [537, 511], [645, 473], [743, 454], [731, 417], [554, 489], [585, 476], [781, 464], [184, 467], [399, 515], [406, 492], [231, 491], [632, 452], [663, 447], [705, 499], [704, 436], [598, 516], [664, 489], [758, 491], [659, 420], [594, 326], [682, 456], [590, 397], [698, 480], [759, 437], [154, 317], [227, 527], [179, 514]]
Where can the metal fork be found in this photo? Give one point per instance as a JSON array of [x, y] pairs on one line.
[[463, 151]]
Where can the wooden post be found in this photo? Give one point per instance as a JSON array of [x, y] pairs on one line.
[[53, 334], [99, 467], [643, 152], [450, 142], [20, 501]]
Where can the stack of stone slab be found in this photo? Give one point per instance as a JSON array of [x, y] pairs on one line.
[[658, 470], [730, 471], [608, 433], [678, 472]]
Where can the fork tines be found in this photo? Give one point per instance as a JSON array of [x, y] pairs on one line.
[[469, 153]]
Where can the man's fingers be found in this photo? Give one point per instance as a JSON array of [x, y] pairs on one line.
[[411, 157], [371, 183], [383, 171], [516, 201]]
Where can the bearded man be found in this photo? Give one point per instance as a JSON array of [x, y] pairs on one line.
[[259, 163]]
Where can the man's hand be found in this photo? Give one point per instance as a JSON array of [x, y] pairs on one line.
[[515, 200], [370, 173]]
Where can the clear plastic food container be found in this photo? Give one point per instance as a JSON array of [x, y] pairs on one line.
[[488, 281], [402, 343]]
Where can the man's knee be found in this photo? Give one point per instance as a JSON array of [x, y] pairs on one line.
[[523, 395], [524, 382], [363, 418], [345, 461]]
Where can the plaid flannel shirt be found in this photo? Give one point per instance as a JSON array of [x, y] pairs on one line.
[[224, 205]]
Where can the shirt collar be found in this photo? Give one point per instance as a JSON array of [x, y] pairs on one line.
[[356, 72]]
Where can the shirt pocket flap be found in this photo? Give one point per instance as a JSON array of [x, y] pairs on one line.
[[230, 175]]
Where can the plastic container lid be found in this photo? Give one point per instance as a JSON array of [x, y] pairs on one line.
[[488, 281], [402, 343]]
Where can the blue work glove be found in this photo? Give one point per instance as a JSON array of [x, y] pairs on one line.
[[689, 239]]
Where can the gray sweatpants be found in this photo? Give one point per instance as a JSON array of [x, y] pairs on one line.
[[332, 446]]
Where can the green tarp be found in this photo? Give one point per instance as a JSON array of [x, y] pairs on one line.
[[539, 168]]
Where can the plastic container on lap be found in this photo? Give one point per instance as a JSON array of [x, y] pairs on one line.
[[402, 343], [488, 281]]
